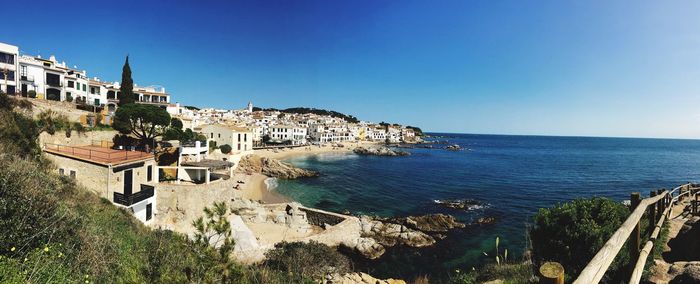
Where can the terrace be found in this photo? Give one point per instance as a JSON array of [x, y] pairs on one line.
[[98, 153]]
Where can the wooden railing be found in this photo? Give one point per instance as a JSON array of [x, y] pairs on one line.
[[658, 206], [146, 192], [97, 154]]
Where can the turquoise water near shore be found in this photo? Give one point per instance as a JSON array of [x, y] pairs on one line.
[[512, 175]]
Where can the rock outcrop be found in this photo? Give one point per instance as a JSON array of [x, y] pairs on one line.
[[391, 234], [685, 272], [685, 246], [358, 278], [379, 151], [432, 223], [272, 167], [454, 147]]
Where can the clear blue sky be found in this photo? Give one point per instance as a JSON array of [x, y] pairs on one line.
[[599, 68]]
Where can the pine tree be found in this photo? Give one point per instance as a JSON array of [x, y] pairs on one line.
[[127, 86]]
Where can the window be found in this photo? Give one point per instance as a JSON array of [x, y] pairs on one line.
[[10, 75], [70, 84], [239, 146], [84, 88], [245, 137], [92, 90], [149, 174], [7, 58], [72, 174], [149, 211], [211, 135], [53, 80], [239, 138], [61, 171], [23, 70], [219, 135]]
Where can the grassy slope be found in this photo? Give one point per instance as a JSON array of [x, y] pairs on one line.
[[55, 231]]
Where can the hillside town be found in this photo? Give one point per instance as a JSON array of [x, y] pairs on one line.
[[34, 76], [166, 181]]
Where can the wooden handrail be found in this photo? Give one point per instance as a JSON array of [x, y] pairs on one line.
[[598, 266], [644, 253]]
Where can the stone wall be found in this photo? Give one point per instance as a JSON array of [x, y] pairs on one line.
[[320, 218], [76, 139], [91, 176], [180, 204]]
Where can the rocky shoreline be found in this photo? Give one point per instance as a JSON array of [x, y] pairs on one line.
[[379, 151], [414, 231], [272, 168]]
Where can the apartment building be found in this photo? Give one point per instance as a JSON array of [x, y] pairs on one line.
[[8, 68], [288, 133]]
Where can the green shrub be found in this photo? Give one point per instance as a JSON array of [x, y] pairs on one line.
[[176, 123], [307, 260], [212, 145], [225, 149], [172, 134], [69, 98], [31, 94], [572, 233]]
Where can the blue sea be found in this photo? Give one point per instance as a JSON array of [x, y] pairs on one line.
[[512, 176]]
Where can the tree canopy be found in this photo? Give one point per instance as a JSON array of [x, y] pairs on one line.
[[143, 121], [126, 88]]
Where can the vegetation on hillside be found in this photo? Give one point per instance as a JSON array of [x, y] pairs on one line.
[[305, 110], [54, 231], [416, 130], [572, 233]]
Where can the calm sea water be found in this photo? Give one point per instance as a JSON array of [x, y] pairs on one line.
[[513, 175]]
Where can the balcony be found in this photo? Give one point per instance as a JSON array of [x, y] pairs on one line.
[[145, 193], [28, 78], [54, 84]]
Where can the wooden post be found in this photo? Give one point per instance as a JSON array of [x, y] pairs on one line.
[[552, 273], [652, 212], [634, 237], [660, 204]]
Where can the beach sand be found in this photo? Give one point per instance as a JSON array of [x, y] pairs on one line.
[[254, 188], [285, 153]]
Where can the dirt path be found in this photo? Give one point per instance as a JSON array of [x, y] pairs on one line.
[[665, 270]]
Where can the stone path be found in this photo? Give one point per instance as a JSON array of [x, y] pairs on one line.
[[680, 261]]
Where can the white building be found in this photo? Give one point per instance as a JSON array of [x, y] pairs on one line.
[[45, 77], [76, 85], [8, 68], [286, 133], [239, 138]]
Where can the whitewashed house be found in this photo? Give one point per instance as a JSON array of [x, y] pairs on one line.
[[239, 138], [9, 64]]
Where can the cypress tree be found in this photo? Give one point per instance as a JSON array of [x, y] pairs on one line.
[[127, 86]]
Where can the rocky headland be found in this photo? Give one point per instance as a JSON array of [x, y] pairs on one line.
[[414, 231], [272, 167], [379, 151]]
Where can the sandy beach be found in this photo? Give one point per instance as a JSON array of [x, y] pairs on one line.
[[254, 188], [285, 153]]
